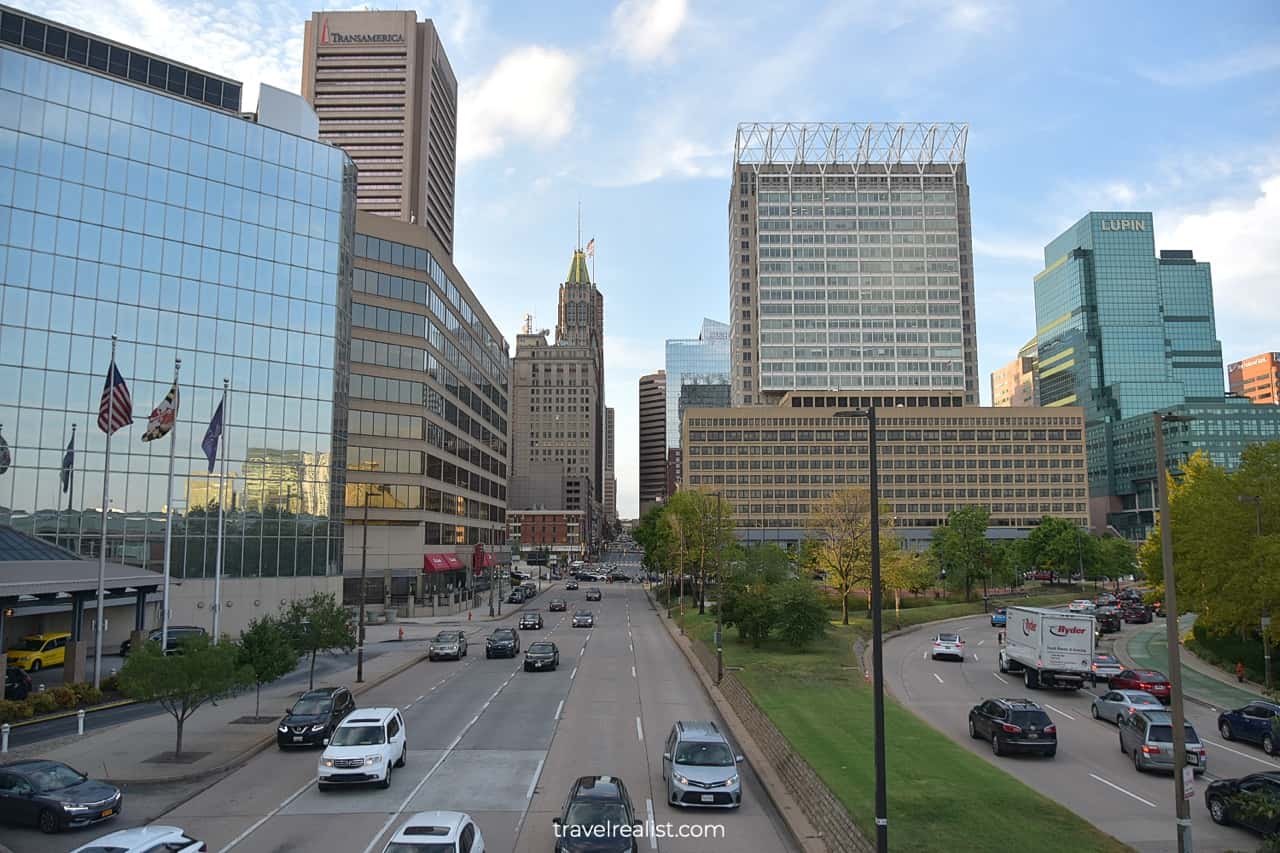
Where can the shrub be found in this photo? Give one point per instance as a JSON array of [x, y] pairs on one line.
[[64, 696], [12, 712], [43, 703], [111, 684], [90, 695]]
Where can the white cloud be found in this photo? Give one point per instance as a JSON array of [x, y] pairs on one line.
[[1257, 59], [644, 29], [528, 96]]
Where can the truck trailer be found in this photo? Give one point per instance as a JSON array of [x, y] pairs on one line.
[[1051, 648]]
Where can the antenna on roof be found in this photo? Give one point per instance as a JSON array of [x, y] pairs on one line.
[[528, 324]]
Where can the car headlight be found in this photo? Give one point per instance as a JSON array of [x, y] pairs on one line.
[[74, 807], [373, 759], [282, 729], [683, 780], [731, 781], [319, 727]]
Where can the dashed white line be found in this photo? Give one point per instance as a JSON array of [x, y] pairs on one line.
[[925, 656], [533, 783], [1122, 790], [1058, 711], [473, 721], [939, 677], [573, 674], [975, 659], [1000, 677], [582, 651], [1239, 753], [253, 827], [639, 730], [420, 698], [633, 672], [653, 836], [980, 642], [559, 708]]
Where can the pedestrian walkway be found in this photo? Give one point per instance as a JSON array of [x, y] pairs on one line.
[[1147, 648]]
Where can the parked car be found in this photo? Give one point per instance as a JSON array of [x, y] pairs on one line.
[[594, 814], [145, 839], [502, 643], [314, 716], [17, 684], [366, 747], [530, 621], [557, 605], [1149, 680], [428, 832], [584, 619], [1104, 666], [35, 652], [1014, 725], [1222, 798], [700, 767], [448, 644], [1148, 737], [1252, 723], [999, 617], [594, 594], [947, 645], [571, 585], [1135, 612], [177, 634], [1117, 705], [53, 796], [541, 655]]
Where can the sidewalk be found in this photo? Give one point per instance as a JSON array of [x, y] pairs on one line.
[[212, 742], [1147, 647]]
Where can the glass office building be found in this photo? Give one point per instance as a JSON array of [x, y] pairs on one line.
[[701, 361], [189, 232]]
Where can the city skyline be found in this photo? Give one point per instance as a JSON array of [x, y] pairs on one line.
[[599, 123]]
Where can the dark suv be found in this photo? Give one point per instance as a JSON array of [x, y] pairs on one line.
[[594, 816], [177, 633], [1014, 725], [17, 684], [502, 643], [312, 719]]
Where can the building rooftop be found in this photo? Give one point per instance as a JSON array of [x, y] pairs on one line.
[[850, 143]]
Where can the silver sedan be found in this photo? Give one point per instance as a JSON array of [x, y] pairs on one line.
[[1115, 705]]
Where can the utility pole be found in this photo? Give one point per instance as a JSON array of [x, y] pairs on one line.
[[719, 597], [364, 574], [1182, 805]]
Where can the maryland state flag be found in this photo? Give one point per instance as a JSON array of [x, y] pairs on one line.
[[162, 417], [6, 458]]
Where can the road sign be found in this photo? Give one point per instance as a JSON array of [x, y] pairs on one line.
[[1188, 783]]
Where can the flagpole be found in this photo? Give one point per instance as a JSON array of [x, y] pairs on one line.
[[168, 510], [102, 548], [222, 500], [71, 473]]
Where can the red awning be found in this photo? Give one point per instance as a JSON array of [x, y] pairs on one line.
[[454, 562], [435, 563], [488, 560]]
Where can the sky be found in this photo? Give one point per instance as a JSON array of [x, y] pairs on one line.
[[630, 108]]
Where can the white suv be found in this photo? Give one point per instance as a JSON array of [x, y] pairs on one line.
[[453, 832], [365, 747]]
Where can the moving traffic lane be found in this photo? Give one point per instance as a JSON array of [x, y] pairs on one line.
[[1089, 775]]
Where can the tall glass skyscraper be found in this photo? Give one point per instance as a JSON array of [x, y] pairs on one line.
[[701, 361], [151, 213]]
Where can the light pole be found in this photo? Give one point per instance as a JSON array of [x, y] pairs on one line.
[[1182, 805], [1256, 500], [719, 597], [364, 573], [877, 626]]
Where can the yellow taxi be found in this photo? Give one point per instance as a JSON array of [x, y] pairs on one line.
[[37, 651]]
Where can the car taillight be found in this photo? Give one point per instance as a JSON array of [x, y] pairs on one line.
[[1010, 728], [1051, 730], [1148, 749], [1143, 686], [1095, 667]]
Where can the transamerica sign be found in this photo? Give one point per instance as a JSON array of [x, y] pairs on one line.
[[328, 36]]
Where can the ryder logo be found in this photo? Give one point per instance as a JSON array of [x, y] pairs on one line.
[[1029, 627], [1066, 630]]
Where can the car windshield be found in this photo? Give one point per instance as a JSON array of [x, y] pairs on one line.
[[948, 638], [30, 644], [596, 814], [541, 648], [54, 777], [420, 847], [314, 705], [446, 637], [1144, 699], [1030, 718], [1105, 659], [1151, 675], [583, 613], [704, 755], [502, 635], [357, 736], [1164, 734]]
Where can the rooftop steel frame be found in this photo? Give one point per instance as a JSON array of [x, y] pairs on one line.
[[824, 144]]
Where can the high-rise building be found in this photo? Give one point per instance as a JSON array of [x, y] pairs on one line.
[[1015, 383], [177, 261], [385, 93], [653, 431], [558, 411], [610, 471], [703, 360], [1256, 377], [851, 261], [429, 422]]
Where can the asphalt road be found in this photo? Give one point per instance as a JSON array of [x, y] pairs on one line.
[[1090, 775], [493, 741]]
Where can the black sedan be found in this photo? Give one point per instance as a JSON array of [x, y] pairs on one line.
[[584, 619], [530, 622], [541, 655], [557, 605], [1251, 801], [17, 684], [571, 585], [52, 796], [502, 643], [598, 817]]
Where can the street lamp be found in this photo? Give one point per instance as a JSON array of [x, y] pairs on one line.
[[1182, 803], [364, 573], [719, 597], [877, 625], [1256, 500]]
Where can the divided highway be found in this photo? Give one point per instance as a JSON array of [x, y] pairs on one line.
[[1090, 776]]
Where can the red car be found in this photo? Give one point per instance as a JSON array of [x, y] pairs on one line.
[[1148, 680]]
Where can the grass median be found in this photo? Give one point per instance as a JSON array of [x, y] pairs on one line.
[[941, 796]]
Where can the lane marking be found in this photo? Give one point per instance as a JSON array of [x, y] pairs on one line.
[[582, 651], [573, 674], [559, 708], [420, 698], [653, 836], [254, 826], [975, 659], [474, 720], [633, 672], [925, 656], [1000, 677], [1058, 711], [980, 642], [1122, 790], [533, 783], [639, 730], [939, 677], [1239, 753]]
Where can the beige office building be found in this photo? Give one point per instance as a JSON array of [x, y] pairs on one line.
[[1015, 383], [610, 472], [773, 464], [653, 439], [385, 93]]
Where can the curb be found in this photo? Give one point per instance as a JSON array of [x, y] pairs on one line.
[[62, 715], [264, 743], [805, 835]]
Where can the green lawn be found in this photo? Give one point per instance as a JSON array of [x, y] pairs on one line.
[[941, 797]]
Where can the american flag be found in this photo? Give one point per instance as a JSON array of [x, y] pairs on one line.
[[591, 247], [116, 408]]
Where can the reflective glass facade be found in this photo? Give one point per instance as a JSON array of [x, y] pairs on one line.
[[190, 233], [702, 361]]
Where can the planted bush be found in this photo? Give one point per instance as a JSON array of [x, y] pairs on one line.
[[43, 703], [12, 712], [64, 696]]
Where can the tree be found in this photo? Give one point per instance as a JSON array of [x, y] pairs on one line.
[[746, 592], [650, 533], [1059, 546], [961, 549], [801, 615], [265, 648], [182, 682], [706, 531], [904, 569], [316, 624], [1115, 557], [840, 532]]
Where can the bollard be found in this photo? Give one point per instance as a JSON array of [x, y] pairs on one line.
[[4, 738], [468, 615], [402, 635], [80, 721], [40, 689]]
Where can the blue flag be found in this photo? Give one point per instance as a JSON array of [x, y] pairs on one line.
[[212, 436], [68, 463]]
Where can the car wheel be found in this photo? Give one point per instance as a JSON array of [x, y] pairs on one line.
[[1123, 751], [1093, 711], [996, 749], [973, 732], [1119, 719], [385, 782], [487, 655], [1268, 745], [48, 822], [35, 666], [1225, 730], [404, 753], [1218, 811], [1137, 760]]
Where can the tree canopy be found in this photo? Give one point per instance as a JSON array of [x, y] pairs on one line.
[[264, 648], [319, 623]]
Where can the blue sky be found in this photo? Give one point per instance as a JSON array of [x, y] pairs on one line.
[[631, 108]]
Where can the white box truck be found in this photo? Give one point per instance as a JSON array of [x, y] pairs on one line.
[[1051, 648]]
